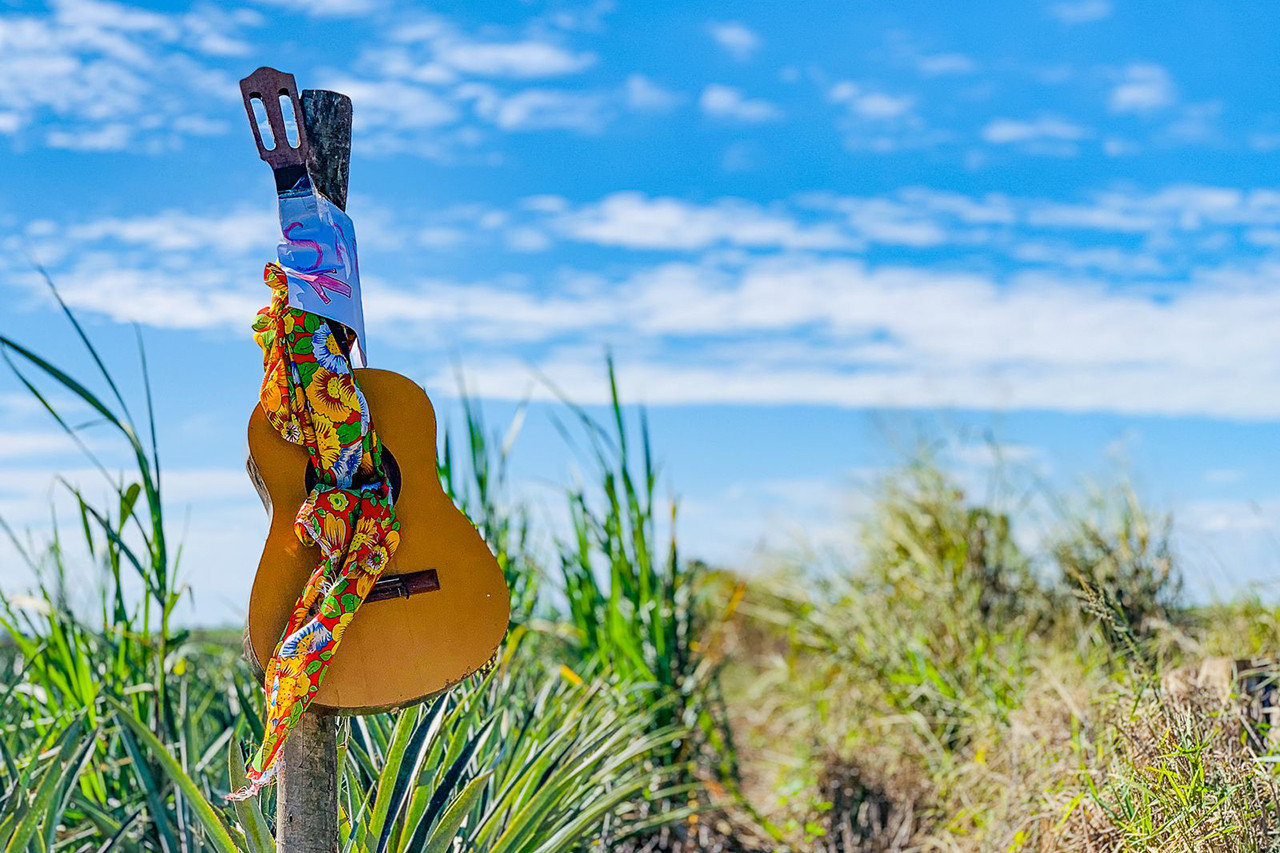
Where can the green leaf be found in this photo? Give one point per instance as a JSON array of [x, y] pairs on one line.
[[214, 826], [377, 824], [44, 808], [442, 836], [256, 831]]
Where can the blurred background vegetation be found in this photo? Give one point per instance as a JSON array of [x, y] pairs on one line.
[[944, 687]]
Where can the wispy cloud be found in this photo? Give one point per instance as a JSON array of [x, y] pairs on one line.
[[105, 76], [541, 109], [1080, 11], [1003, 131], [928, 63], [1044, 135], [645, 95], [327, 8], [870, 103], [939, 64], [890, 337], [788, 302], [1142, 87], [639, 222], [873, 119], [736, 38], [523, 58], [726, 102], [435, 89]]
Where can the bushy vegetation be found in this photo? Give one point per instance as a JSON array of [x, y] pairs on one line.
[[952, 690], [946, 686]]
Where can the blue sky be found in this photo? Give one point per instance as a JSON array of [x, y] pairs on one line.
[[811, 233]]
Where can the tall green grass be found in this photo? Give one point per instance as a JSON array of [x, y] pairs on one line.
[[120, 730]]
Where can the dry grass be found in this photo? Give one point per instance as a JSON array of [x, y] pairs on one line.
[[941, 696]]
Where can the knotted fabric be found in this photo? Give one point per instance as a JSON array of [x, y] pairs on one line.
[[310, 395]]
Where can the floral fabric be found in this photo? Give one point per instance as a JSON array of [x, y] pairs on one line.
[[310, 396]]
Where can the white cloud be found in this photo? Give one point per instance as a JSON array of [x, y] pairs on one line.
[[644, 95], [152, 269], [24, 445], [139, 295], [1047, 136], [395, 105], [442, 237], [1194, 124], [1108, 259], [1080, 11], [327, 8], [1265, 142], [433, 89], [993, 454], [639, 222], [877, 121], [527, 240], [237, 231], [545, 203], [730, 103], [1003, 131], [1174, 210], [544, 109], [202, 504], [1142, 87], [108, 137], [735, 38], [939, 64], [1114, 146], [911, 337], [109, 76], [587, 17], [513, 59], [446, 45], [1119, 301], [870, 104]]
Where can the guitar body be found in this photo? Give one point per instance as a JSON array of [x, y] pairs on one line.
[[398, 650]]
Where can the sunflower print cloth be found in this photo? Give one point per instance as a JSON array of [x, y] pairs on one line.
[[310, 396]]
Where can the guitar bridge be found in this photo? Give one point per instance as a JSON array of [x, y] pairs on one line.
[[403, 586]]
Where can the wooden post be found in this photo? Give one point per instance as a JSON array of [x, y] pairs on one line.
[[307, 790], [307, 787], [327, 118]]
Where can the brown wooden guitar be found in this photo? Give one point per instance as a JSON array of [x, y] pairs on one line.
[[440, 609]]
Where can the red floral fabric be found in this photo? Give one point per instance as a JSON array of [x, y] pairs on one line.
[[311, 397]]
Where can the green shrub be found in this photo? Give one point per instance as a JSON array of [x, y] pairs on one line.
[[1117, 559]]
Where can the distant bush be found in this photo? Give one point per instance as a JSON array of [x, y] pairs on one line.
[[1117, 559], [946, 688], [947, 596]]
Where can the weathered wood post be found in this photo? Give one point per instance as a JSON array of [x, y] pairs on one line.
[[307, 787]]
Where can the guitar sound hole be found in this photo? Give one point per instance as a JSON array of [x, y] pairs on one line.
[[388, 462]]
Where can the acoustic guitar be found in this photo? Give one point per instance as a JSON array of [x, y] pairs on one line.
[[441, 607]]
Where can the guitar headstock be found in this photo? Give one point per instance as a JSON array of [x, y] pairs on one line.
[[268, 87]]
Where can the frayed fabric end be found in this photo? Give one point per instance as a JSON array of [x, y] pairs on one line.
[[255, 785]]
